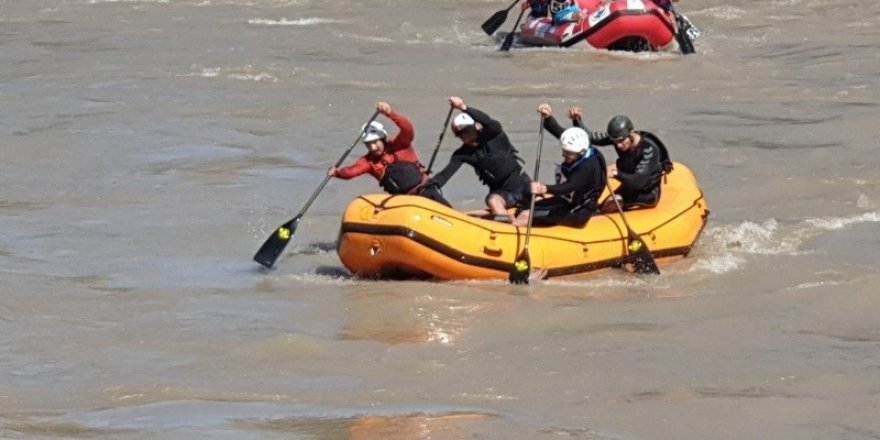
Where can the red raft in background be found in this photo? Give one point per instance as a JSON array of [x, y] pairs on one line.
[[630, 25]]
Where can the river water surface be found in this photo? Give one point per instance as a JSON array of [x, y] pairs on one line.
[[149, 147]]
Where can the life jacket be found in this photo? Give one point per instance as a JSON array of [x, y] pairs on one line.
[[582, 199], [402, 177], [629, 162], [494, 168], [665, 160]]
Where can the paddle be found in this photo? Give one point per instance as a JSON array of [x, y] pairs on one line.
[[681, 36], [275, 244], [522, 267], [497, 19], [508, 40], [642, 260], [440, 141]]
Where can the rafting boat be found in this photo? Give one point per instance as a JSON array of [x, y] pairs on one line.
[[632, 25], [386, 236]]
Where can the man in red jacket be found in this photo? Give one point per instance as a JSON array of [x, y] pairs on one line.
[[393, 162]]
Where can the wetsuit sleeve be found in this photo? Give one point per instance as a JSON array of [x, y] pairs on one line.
[[454, 164], [404, 138], [356, 169], [491, 127], [552, 125], [646, 170], [600, 138]]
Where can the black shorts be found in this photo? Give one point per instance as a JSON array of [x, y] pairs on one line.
[[516, 192]]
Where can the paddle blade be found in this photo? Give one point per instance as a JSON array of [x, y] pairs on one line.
[[641, 258], [275, 244], [682, 36], [508, 42], [494, 22], [522, 267]]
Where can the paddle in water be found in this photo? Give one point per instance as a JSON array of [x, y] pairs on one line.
[[522, 267], [275, 244], [640, 256], [682, 36], [508, 40], [497, 19]]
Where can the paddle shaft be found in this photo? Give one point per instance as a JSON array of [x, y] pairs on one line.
[[440, 141], [629, 229], [508, 41], [522, 265], [275, 244], [537, 170], [338, 163], [641, 266], [497, 19], [515, 2]]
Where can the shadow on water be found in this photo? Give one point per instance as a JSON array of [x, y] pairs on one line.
[[334, 272]]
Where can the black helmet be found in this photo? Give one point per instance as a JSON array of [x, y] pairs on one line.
[[619, 127]]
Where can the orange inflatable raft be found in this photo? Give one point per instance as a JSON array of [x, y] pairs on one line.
[[385, 236]]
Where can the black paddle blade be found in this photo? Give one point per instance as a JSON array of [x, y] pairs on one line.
[[275, 244], [641, 258], [682, 37], [494, 22], [508, 42], [522, 267]]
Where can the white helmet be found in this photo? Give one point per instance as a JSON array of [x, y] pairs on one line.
[[461, 121], [374, 131], [575, 140]]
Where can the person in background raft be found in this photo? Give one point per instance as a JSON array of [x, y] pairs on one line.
[[666, 5], [393, 162], [565, 11], [580, 180], [487, 149], [539, 8], [641, 161], [681, 22], [560, 11]]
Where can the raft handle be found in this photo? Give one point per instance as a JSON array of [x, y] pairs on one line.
[[492, 250]]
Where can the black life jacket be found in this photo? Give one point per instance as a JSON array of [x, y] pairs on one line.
[[583, 199], [494, 168], [665, 160], [401, 177], [629, 162]]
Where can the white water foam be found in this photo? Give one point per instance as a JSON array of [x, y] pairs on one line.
[[322, 280], [865, 202], [835, 223], [718, 264], [310, 21], [729, 246], [752, 238], [721, 12], [241, 74]]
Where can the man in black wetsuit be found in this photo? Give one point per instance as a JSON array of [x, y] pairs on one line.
[[487, 149], [641, 161], [580, 180]]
